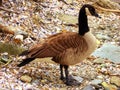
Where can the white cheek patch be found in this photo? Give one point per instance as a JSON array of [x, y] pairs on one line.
[[87, 11]]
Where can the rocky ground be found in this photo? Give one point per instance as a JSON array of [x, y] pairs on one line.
[[29, 22]]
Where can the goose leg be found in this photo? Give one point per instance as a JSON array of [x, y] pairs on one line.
[[70, 81], [66, 74], [61, 72]]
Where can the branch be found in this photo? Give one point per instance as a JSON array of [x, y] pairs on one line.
[[8, 10], [108, 10]]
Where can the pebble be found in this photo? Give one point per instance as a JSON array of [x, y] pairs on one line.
[[67, 20], [109, 86], [115, 80], [79, 79], [26, 78], [88, 87], [18, 39], [100, 77], [96, 81], [4, 60], [4, 57], [69, 1], [99, 61], [103, 37], [21, 32]]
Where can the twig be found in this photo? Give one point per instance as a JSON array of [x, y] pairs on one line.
[[108, 10], [8, 10], [63, 1], [7, 63]]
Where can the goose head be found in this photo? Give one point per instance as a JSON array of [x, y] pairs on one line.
[[92, 10]]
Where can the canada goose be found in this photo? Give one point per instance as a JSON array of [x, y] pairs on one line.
[[66, 48]]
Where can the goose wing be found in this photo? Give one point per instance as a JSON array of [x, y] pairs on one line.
[[56, 44]]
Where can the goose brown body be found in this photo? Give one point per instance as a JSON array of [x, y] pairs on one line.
[[66, 48]]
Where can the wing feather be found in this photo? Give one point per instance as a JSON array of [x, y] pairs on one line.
[[56, 45]]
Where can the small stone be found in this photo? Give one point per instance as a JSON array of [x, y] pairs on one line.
[[96, 81], [115, 80], [64, 88], [43, 81], [109, 86], [15, 71], [104, 37], [68, 19], [4, 57], [26, 78], [100, 77], [18, 39], [45, 88], [89, 87], [69, 1], [77, 78], [28, 87], [4, 60], [17, 88], [99, 61]]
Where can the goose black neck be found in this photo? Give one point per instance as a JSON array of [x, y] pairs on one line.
[[83, 23]]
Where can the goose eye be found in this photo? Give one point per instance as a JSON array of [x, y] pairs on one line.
[[92, 11]]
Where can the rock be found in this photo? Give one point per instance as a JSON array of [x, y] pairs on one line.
[[69, 1], [109, 51], [43, 81], [45, 88], [68, 19], [60, 88], [104, 37], [99, 61], [26, 78], [118, 1], [28, 87], [77, 78], [16, 30], [18, 39], [118, 88], [89, 87], [96, 81], [109, 86], [21, 32], [100, 77], [115, 80], [4, 57], [4, 60]]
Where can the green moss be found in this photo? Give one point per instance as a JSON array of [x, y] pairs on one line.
[[10, 48]]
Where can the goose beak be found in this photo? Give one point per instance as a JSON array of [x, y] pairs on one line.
[[96, 15]]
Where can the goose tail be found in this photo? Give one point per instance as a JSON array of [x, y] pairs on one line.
[[26, 60]]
